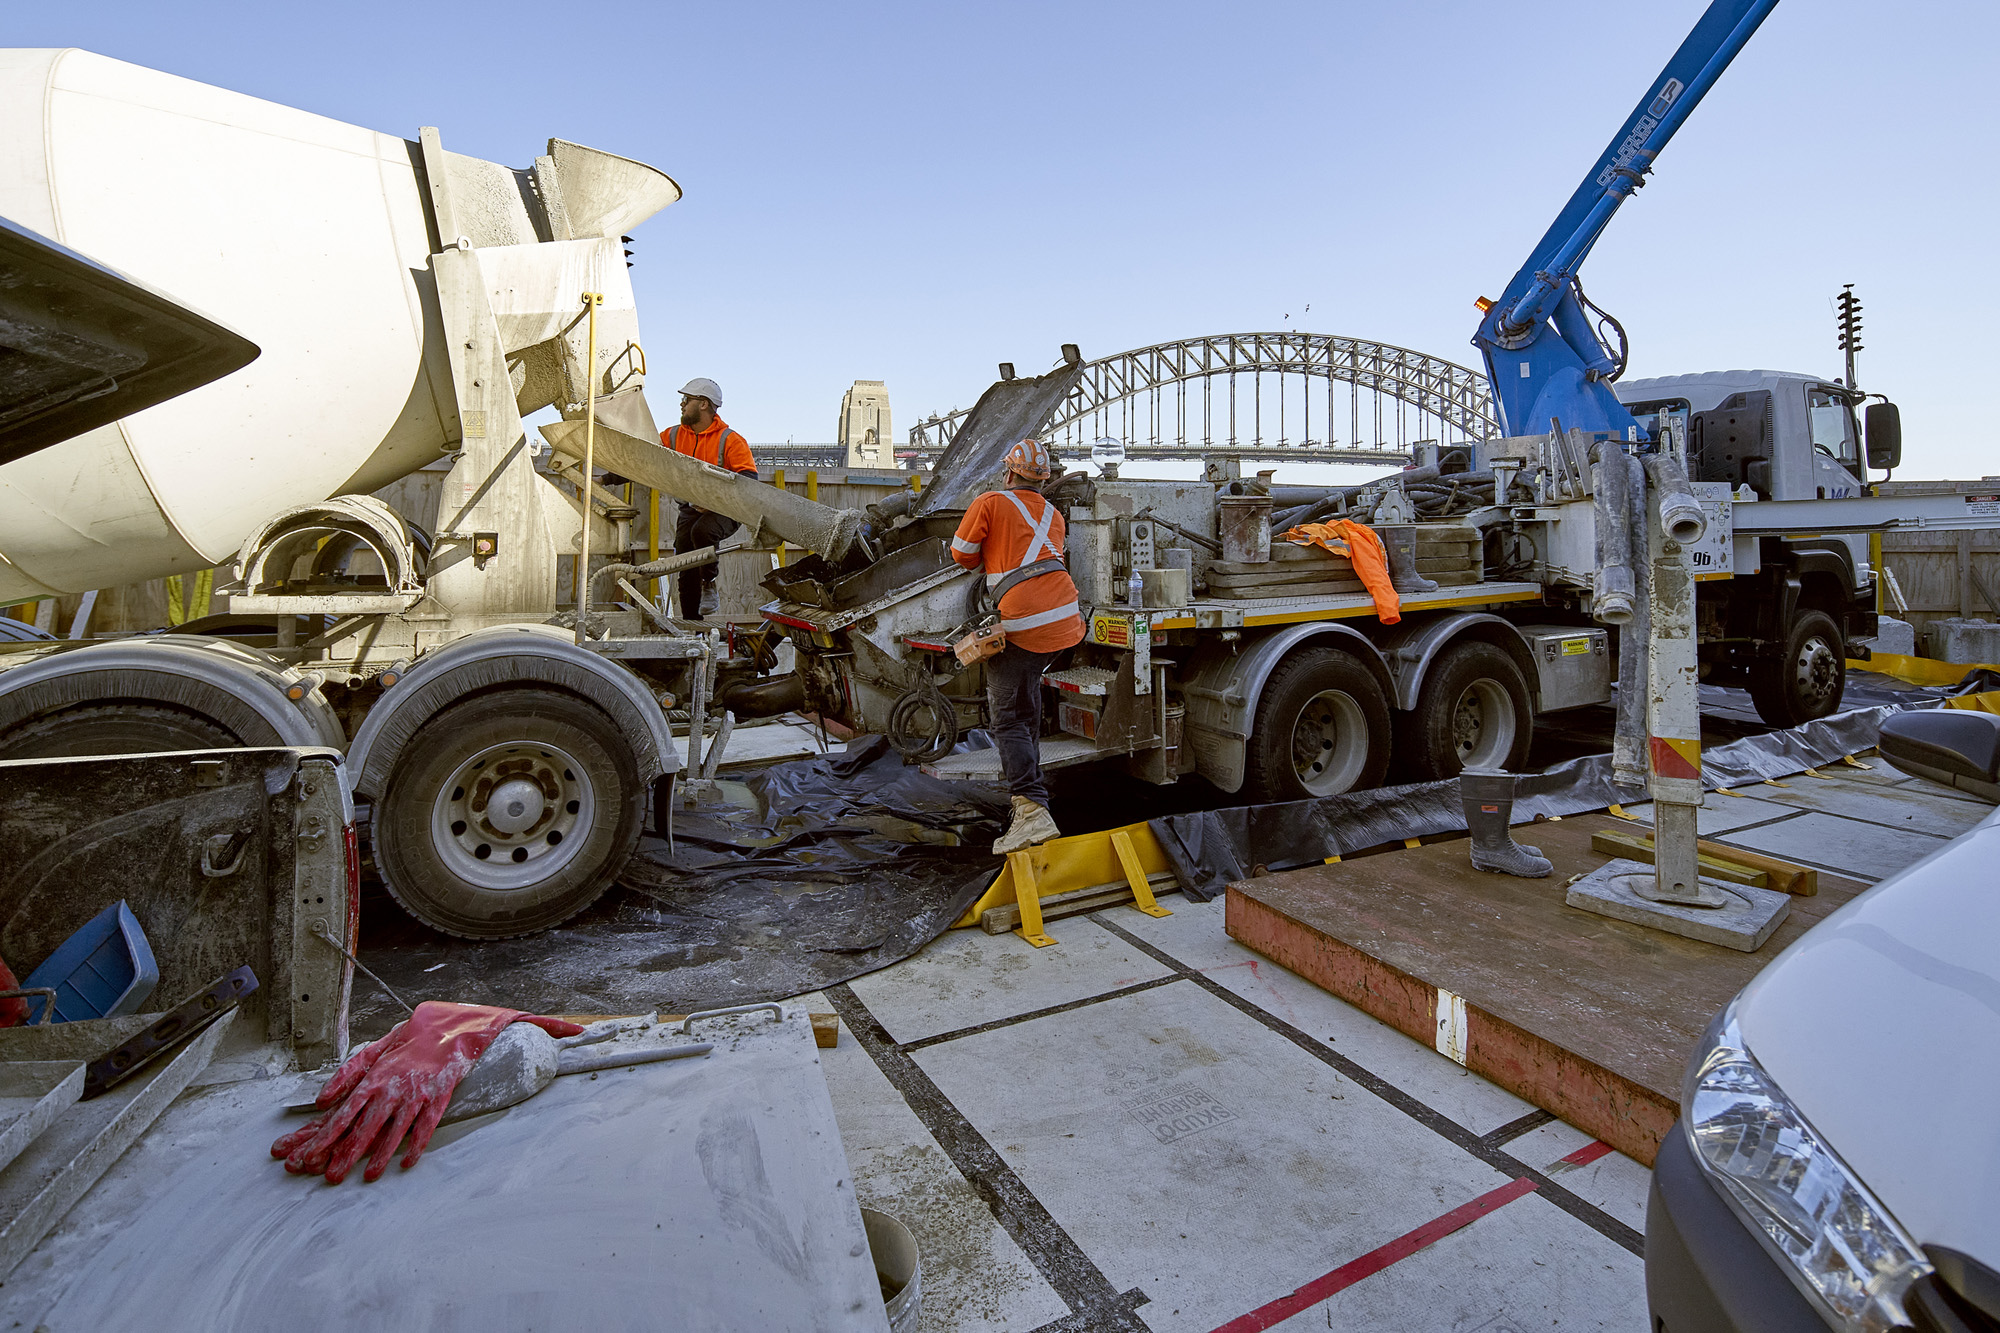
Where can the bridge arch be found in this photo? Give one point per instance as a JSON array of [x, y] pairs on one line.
[[1189, 397]]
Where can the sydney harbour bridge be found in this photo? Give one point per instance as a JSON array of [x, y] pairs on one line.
[[1285, 396]]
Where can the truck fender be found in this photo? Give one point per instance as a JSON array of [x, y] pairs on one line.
[[303, 530], [533, 655], [230, 683], [1221, 690], [1828, 558], [1411, 649]]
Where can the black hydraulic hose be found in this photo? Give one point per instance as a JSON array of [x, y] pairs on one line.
[[902, 715]]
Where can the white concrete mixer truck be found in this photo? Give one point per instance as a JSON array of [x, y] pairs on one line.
[[411, 304]]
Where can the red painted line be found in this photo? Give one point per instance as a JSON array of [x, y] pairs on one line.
[[1345, 1276], [1397, 1250], [1587, 1154]]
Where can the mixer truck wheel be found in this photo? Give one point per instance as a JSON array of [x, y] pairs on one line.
[[1807, 679], [508, 813], [115, 729], [1473, 712], [1322, 728]]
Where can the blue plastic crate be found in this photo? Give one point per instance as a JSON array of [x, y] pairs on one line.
[[103, 971]]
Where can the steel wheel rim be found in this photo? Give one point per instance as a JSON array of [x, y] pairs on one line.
[[1816, 669], [1482, 725], [531, 806], [1330, 743]]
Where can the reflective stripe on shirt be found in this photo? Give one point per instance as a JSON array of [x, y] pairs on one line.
[[964, 547], [1067, 611]]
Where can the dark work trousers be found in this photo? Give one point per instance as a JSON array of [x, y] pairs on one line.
[[1014, 703], [694, 529]]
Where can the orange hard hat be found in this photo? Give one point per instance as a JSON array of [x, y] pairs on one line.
[[1029, 459]]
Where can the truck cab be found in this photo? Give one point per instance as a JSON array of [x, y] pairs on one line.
[[1773, 435]]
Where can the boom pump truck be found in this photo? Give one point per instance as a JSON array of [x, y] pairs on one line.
[[413, 305]]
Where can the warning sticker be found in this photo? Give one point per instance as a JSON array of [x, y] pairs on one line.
[[1576, 647], [1982, 506], [1111, 631]]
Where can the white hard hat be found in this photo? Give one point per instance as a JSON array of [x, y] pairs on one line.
[[703, 388]]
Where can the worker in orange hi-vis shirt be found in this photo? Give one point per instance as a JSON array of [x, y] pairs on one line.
[[1016, 536], [705, 436]]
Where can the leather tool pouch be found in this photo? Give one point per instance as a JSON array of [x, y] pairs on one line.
[[988, 639]]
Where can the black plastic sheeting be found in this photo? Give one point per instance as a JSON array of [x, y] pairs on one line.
[[1210, 848], [817, 871]]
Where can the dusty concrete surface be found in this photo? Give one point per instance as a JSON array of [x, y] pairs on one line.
[[1148, 1126]]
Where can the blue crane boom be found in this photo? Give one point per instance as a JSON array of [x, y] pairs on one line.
[[1543, 355]]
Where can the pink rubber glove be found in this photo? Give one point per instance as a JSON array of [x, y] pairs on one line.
[[400, 1084]]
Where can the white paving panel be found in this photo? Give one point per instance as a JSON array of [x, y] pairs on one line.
[[1194, 936], [967, 977], [1893, 807], [1196, 1154], [1843, 846], [975, 1278], [1527, 1266]]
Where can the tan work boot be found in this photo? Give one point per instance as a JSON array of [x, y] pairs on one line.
[[1032, 824]]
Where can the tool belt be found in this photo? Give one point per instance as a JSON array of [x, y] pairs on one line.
[[987, 639]]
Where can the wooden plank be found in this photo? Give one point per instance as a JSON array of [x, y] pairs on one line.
[[1589, 1018], [1641, 849], [1770, 872], [1289, 574]]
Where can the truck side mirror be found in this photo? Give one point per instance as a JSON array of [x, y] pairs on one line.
[[1955, 746], [1885, 437]]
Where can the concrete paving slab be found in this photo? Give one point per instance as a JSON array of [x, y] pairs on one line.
[[1614, 1182], [1718, 813], [975, 1278], [1196, 1154], [967, 977], [1844, 846], [1526, 1266], [1893, 807], [1899, 780], [1193, 935]]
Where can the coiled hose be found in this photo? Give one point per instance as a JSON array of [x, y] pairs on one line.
[[922, 747]]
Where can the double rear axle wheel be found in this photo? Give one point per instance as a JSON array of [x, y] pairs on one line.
[[1322, 725]]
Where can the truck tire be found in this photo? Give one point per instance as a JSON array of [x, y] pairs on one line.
[[1807, 679], [97, 729], [1473, 712], [508, 813], [1322, 728]]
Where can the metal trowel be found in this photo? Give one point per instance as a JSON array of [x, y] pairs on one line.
[[523, 1060]]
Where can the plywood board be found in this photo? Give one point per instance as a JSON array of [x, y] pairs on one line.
[[1589, 1018]]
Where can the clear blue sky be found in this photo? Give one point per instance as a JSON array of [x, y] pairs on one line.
[[913, 192]]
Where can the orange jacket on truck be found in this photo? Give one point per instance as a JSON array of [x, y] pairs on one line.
[[718, 445], [1008, 530]]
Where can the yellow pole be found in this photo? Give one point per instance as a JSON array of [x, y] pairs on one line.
[[812, 484], [778, 480], [1881, 576], [653, 534], [591, 300]]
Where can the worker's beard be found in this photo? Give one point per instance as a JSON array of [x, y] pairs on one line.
[[691, 416]]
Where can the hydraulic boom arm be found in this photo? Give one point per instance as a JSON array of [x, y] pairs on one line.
[[1543, 356]]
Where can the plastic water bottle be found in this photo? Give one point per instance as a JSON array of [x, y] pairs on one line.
[[1135, 590]]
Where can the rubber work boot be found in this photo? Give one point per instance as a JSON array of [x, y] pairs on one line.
[[1488, 795], [1032, 824], [1399, 546]]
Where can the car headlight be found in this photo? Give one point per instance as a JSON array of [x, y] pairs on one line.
[[1841, 1246]]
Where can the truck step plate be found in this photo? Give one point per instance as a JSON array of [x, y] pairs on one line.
[[1081, 680], [984, 765]]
